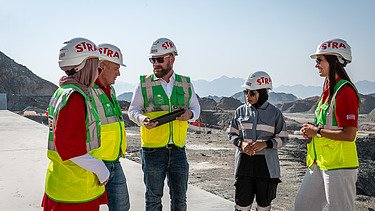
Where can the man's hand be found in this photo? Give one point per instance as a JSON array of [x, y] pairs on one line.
[[185, 116], [149, 125]]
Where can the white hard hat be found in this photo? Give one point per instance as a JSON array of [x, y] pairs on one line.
[[111, 53], [163, 46], [77, 50], [258, 80], [337, 47]]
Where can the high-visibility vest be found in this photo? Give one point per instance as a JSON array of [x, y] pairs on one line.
[[157, 103], [112, 128], [66, 181], [328, 153]]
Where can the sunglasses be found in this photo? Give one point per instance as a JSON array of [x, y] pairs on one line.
[[158, 59], [318, 60], [249, 92]]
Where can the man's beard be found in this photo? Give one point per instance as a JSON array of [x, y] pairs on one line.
[[160, 72]]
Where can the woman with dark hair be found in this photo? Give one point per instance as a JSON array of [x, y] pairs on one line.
[[332, 158], [257, 130]]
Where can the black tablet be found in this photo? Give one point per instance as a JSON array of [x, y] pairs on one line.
[[168, 117]]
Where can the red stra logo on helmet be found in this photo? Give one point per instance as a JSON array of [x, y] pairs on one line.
[[263, 80], [167, 45], [80, 47], [109, 52], [331, 44]]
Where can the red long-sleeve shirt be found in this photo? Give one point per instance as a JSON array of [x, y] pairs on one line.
[[70, 141]]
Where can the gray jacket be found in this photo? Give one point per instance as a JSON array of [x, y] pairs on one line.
[[262, 124]]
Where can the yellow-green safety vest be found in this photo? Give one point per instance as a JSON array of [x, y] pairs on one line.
[[328, 153], [157, 103], [66, 181], [112, 128]]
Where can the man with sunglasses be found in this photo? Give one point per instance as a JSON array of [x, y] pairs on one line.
[[163, 146], [257, 130]]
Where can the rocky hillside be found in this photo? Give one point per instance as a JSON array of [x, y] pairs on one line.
[[126, 96], [273, 97], [228, 103], [305, 105], [367, 104], [207, 103], [19, 80]]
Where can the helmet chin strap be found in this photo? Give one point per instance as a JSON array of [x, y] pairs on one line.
[[74, 70], [342, 60], [80, 66]]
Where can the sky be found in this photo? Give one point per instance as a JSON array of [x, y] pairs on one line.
[[213, 37]]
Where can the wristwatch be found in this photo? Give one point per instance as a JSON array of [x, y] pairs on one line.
[[318, 132]]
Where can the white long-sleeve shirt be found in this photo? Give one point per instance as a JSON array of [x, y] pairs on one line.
[[137, 104]]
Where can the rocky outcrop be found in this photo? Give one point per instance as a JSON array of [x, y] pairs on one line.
[[280, 97], [367, 104], [20, 102], [216, 120], [207, 103], [371, 115], [305, 105], [18, 80], [273, 97], [126, 96], [228, 103]]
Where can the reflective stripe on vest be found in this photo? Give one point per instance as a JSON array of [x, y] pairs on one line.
[[328, 153], [112, 129], [157, 103], [66, 181]]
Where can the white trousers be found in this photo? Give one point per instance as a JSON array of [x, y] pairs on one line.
[[335, 188]]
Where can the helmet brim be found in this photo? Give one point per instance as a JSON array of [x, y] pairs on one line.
[[314, 56]]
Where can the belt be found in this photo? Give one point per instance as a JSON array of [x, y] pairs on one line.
[[169, 146], [172, 146]]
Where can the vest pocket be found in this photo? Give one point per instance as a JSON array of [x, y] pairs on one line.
[[180, 130], [180, 96], [156, 137], [331, 154], [110, 140]]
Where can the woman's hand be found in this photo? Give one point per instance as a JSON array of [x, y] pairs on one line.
[[309, 130], [250, 147]]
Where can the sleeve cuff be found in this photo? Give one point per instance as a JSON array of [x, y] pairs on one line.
[[269, 144], [238, 142]]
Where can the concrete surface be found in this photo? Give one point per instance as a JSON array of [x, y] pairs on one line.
[[23, 163]]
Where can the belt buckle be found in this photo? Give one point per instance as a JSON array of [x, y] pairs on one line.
[[171, 146]]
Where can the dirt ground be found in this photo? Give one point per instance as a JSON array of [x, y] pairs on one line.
[[211, 159]]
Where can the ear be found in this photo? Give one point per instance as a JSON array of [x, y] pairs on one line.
[[102, 65], [172, 59]]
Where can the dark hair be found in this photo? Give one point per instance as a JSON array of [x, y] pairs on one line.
[[335, 67]]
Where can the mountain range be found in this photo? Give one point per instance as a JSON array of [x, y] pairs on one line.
[[226, 86], [24, 89]]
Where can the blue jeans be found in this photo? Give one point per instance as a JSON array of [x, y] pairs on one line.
[[158, 163], [116, 188]]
